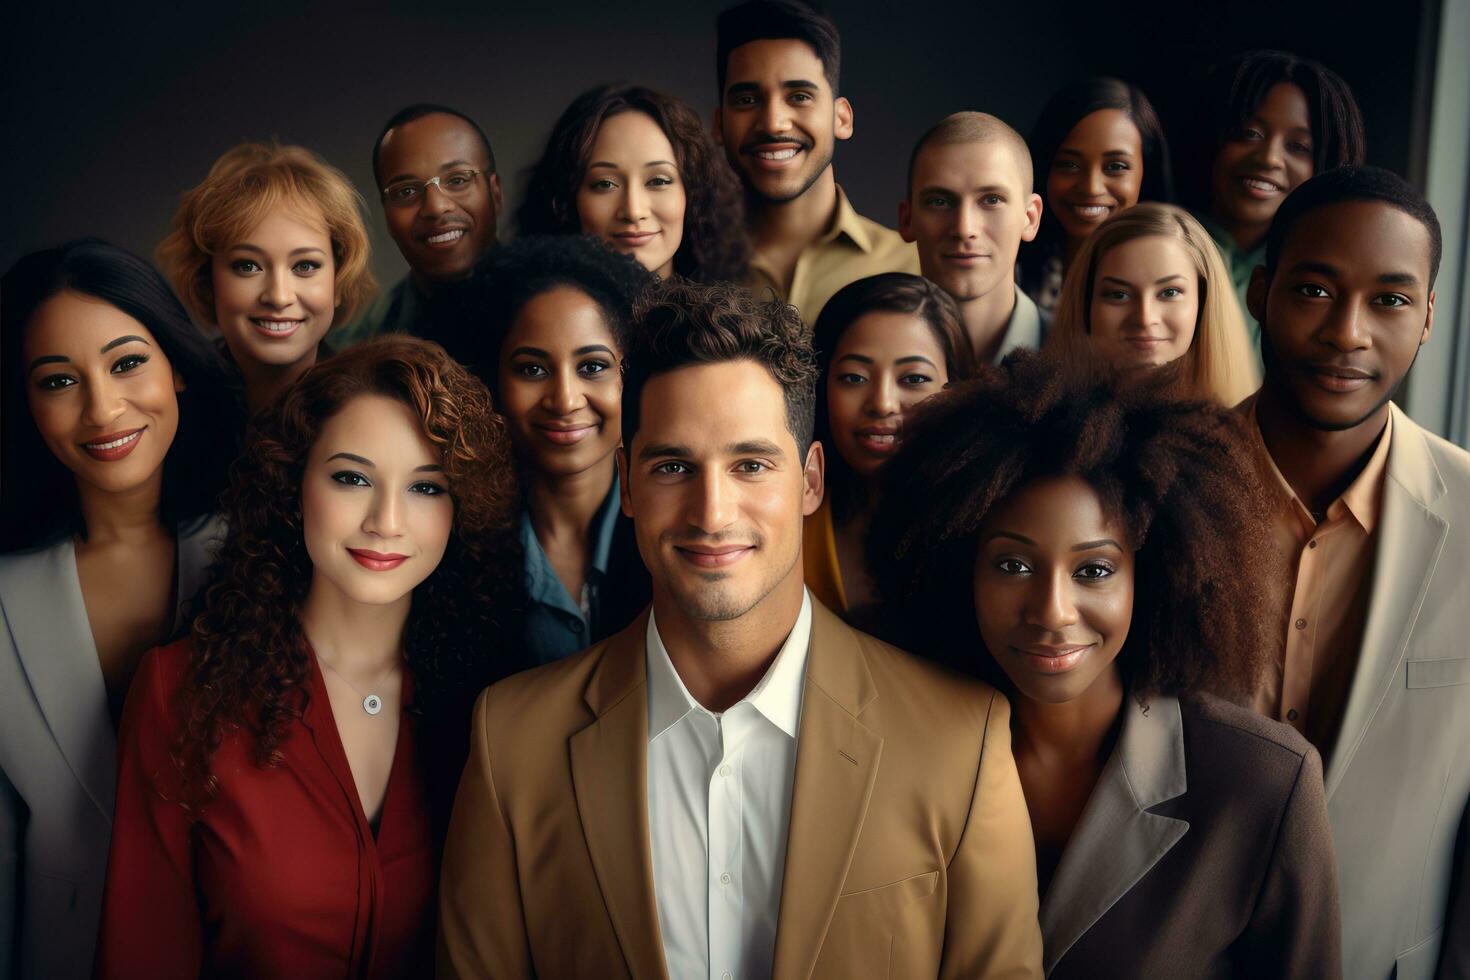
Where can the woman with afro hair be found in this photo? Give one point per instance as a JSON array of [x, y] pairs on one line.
[[1098, 551], [285, 772]]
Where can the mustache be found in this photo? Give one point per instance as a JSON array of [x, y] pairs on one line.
[[765, 139]]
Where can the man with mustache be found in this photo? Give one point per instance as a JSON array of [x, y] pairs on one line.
[[1374, 526], [779, 119], [435, 173], [738, 784]]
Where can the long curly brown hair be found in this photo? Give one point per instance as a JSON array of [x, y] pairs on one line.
[[1181, 476], [714, 248], [250, 667]]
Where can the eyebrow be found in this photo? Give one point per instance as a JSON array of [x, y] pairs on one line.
[[247, 247], [1321, 268], [614, 166], [130, 338], [363, 460], [1157, 282], [750, 447], [1106, 153], [442, 167], [1084, 546], [579, 352]]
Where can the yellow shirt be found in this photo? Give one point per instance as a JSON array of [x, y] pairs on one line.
[[819, 564], [1331, 564], [854, 248]]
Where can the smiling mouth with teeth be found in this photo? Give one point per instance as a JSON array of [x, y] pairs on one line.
[[130, 437], [783, 154], [277, 326], [444, 238]]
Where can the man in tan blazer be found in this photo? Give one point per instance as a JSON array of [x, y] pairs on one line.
[[739, 784], [1374, 525]]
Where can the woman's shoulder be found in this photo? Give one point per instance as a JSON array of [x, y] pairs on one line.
[[1228, 742], [161, 673]]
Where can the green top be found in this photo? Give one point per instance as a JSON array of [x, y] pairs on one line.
[[1241, 263], [396, 310]]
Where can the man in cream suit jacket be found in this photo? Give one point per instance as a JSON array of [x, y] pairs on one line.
[[1374, 525], [739, 784]]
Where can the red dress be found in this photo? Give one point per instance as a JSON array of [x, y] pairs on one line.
[[280, 875]]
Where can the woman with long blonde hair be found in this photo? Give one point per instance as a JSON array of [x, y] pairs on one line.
[[1149, 288]]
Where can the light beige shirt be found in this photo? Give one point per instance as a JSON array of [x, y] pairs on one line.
[[854, 248], [1331, 564]]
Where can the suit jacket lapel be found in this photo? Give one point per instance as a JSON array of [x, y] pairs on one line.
[[836, 766], [53, 639], [1411, 535], [610, 776], [1117, 840]]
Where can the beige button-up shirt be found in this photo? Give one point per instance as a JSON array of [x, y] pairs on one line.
[[853, 248], [1331, 565]]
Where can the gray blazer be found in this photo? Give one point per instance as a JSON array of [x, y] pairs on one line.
[[58, 757], [1398, 779]]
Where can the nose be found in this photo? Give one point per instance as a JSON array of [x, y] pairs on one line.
[[634, 204], [1094, 182], [278, 292], [435, 202], [711, 502], [564, 394], [882, 398], [385, 517], [1344, 328], [966, 221], [1148, 311], [777, 117], [1049, 604], [1271, 152], [103, 405]]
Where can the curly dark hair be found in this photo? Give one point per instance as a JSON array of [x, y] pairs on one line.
[[38, 495], [474, 317], [714, 247], [1181, 476], [678, 324], [249, 666]]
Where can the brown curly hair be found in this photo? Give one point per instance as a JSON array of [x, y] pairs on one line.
[[249, 666], [677, 323], [1181, 476], [714, 247]]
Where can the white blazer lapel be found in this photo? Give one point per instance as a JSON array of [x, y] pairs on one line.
[[42, 600]]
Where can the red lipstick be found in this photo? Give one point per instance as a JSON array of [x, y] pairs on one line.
[[113, 446], [376, 561]]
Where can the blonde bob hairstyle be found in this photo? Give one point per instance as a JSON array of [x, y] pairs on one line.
[[242, 187], [1219, 363]]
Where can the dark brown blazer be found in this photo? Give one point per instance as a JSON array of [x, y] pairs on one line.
[[1204, 851]]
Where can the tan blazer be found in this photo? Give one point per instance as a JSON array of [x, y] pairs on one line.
[[1398, 778], [910, 851]]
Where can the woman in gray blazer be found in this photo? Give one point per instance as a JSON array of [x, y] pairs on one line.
[[1099, 552], [118, 427]]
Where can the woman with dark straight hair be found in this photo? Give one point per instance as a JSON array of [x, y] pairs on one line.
[[1097, 149], [637, 169], [118, 426], [884, 344]]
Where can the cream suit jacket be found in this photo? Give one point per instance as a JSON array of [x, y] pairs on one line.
[[1399, 776], [910, 851]]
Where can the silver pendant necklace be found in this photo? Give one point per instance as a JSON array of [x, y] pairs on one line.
[[371, 703]]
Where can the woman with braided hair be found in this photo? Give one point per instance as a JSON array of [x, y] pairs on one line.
[[1098, 551]]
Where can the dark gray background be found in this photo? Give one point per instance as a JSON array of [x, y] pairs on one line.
[[110, 114]]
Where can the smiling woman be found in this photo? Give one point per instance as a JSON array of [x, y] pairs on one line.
[[272, 250], [284, 772]]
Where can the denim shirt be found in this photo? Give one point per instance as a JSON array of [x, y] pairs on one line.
[[555, 624]]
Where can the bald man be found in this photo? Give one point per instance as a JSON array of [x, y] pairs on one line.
[[969, 207]]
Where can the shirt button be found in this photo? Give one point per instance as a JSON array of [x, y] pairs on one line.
[[1312, 543], [724, 877], [725, 770], [1291, 715], [726, 976], [576, 626], [1301, 624]]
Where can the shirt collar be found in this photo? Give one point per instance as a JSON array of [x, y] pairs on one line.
[[777, 696], [1362, 499], [542, 585], [848, 223], [1023, 329]]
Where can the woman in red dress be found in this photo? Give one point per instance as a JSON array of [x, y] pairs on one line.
[[283, 770]]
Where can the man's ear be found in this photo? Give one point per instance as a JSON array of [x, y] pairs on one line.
[[842, 119], [1428, 321], [496, 197], [1255, 293], [625, 499], [718, 133], [1034, 207], [814, 478], [905, 216]]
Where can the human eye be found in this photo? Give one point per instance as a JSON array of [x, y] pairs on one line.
[[404, 193], [852, 378], [1312, 290], [1249, 133], [350, 478], [1114, 295], [593, 368], [129, 362], [457, 180], [751, 467], [742, 100], [1094, 571], [245, 267], [1064, 165], [56, 382], [306, 267], [529, 369], [1170, 292], [1116, 167], [801, 98], [672, 467], [427, 488], [1297, 146], [1393, 300], [916, 379], [992, 200], [1011, 566], [936, 203], [603, 184], [661, 180]]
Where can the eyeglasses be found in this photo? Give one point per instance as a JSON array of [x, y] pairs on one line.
[[456, 183]]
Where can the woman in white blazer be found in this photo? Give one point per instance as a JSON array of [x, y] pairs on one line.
[[118, 426]]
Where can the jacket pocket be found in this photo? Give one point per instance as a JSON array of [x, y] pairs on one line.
[[875, 931], [1438, 673]]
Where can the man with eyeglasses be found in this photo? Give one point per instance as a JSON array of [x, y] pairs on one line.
[[435, 174]]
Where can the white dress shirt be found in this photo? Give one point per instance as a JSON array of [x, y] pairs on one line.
[[719, 808]]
